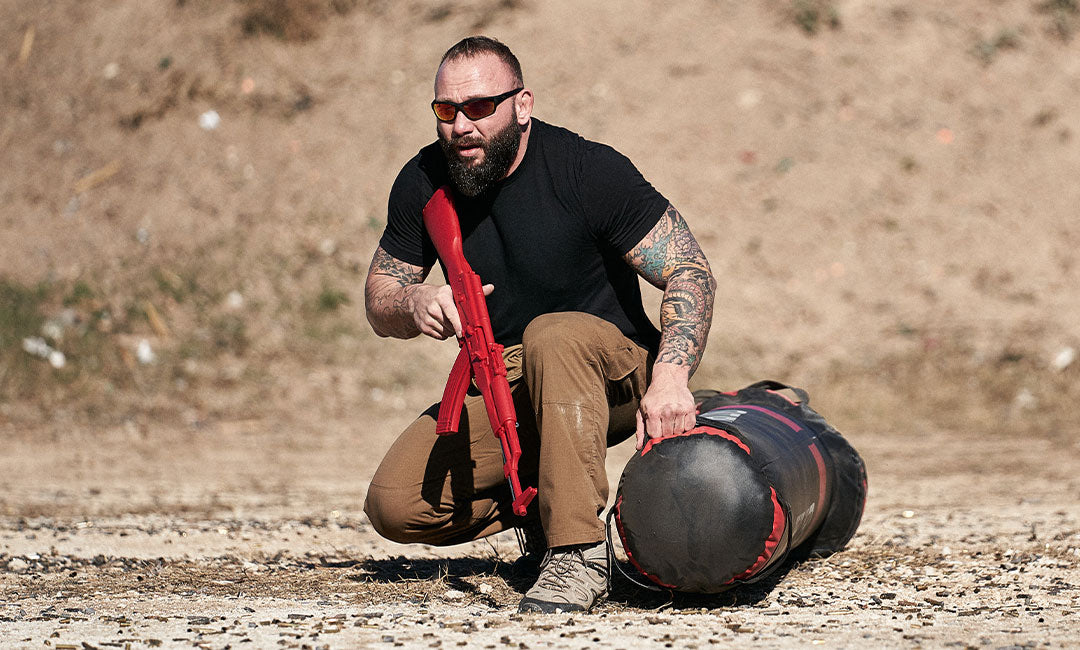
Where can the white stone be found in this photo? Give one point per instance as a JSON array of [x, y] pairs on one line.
[[1025, 400], [17, 564], [1064, 358], [209, 120], [144, 353], [36, 346], [52, 329]]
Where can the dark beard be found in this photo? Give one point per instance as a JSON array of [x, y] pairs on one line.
[[499, 154]]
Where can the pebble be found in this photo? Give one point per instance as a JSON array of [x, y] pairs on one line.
[[209, 120], [16, 564], [1063, 359], [235, 300], [144, 353]]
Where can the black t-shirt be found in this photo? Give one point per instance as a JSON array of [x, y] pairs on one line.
[[550, 237]]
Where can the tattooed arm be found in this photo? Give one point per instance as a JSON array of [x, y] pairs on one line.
[[670, 259], [399, 304]]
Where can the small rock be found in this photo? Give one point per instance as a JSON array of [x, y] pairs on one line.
[[52, 329], [144, 353], [453, 594], [1063, 359], [17, 564], [36, 346], [209, 120], [1025, 400]]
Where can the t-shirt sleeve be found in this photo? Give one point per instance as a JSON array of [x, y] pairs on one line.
[[622, 207], [404, 236]]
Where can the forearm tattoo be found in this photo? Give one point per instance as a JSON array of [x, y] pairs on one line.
[[384, 264], [669, 258], [387, 294]]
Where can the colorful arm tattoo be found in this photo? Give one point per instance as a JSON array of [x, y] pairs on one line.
[[670, 259]]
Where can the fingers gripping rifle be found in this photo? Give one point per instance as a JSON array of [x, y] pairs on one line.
[[480, 357]]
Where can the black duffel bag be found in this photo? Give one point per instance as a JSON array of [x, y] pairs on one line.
[[724, 503]]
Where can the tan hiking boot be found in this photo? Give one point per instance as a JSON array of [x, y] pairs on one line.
[[572, 579]]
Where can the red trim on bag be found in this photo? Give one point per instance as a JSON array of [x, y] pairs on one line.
[[820, 514], [712, 431], [629, 555], [791, 423], [771, 542]]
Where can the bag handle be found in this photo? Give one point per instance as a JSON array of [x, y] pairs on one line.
[[613, 561], [771, 384]]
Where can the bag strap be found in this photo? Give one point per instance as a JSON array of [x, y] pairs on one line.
[[770, 384], [613, 562]]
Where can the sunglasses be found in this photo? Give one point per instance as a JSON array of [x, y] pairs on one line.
[[474, 109]]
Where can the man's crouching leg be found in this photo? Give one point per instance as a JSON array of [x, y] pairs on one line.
[[581, 372], [442, 490]]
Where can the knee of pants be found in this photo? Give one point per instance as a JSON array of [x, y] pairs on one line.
[[398, 518], [552, 332]]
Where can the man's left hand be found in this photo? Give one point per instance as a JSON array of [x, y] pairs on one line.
[[668, 405]]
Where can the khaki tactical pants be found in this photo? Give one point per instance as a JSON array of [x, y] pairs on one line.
[[580, 383]]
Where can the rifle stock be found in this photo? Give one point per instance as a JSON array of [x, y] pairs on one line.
[[480, 357]]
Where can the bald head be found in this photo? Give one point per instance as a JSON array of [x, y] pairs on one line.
[[478, 46]]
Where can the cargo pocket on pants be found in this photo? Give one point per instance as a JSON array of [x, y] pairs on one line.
[[624, 390]]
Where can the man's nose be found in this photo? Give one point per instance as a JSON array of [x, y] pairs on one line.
[[462, 124]]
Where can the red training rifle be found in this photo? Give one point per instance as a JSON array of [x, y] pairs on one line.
[[480, 357]]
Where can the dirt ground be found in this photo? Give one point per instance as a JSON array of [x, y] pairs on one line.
[[190, 192], [212, 540]]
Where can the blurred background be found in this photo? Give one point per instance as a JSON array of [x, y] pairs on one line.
[[191, 191]]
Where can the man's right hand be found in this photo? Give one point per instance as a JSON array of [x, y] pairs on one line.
[[433, 309], [401, 305]]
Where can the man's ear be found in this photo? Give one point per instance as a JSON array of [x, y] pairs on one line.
[[523, 104]]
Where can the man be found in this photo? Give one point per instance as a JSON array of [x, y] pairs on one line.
[[558, 228]]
